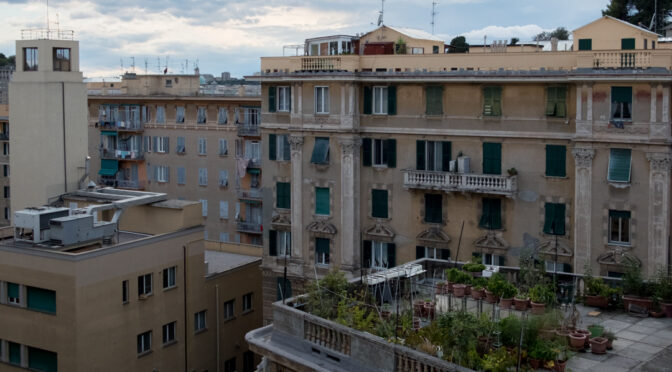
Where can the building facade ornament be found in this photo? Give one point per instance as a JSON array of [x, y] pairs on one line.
[[552, 247], [321, 227], [618, 255], [659, 162], [583, 157], [281, 221], [350, 146], [296, 142], [381, 232], [434, 237], [491, 240]]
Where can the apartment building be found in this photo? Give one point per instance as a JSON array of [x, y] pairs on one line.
[[163, 133], [379, 158], [4, 163]]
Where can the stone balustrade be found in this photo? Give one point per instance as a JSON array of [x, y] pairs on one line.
[[462, 182]]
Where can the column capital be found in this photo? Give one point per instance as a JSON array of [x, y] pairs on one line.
[[659, 162], [295, 142], [350, 146], [583, 156]]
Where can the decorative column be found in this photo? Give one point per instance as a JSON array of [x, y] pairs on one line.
[[350, 196], [654, 98], [659, 215], [296, 146], [589, 105], [583, 159], [666, 104], [579, 101]]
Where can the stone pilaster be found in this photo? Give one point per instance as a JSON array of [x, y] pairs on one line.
[[659, 214], [579, 101], [296, 146], [665, 109], [589, 105], [654, 99], [350, 196], [583, 159]]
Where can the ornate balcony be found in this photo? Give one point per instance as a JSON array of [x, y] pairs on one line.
[[121, 154], [249, 130], [249, 193], [250, 227], [621, 59], [461, 182]]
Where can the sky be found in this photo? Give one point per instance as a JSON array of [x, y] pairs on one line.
[[231, 35]]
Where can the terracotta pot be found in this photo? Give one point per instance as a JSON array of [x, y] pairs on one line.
[[667, 309], [586, 333], [459, 290], [439, 287], [534, 363], [505, 303], [467, 289], [596, 301], [484, 344], [610, 344], [657, 314], [538, 308], [416, 322], [521, 305], [476, 274], [644, 302], [598, 345], [577, 340], [449, 287], [490, 297], [477, 294], [385, 314], [429, 309], [560, 366]]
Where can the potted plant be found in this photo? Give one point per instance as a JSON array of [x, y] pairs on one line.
[[663, 291], [512, 171], [610, 336], [596, 291], [598, 345], [520, 301], [562, 354], [577, 340], [635, 290], [478, 288], [540, 296], [475, 269], [495, 288], [507, 294], [596, 330], [386, 311]]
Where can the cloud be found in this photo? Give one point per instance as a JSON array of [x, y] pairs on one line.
[[524, 33]]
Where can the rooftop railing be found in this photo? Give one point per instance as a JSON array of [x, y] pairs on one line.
[[47, 34]]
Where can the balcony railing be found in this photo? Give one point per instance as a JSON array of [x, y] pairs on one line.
[[463, 182], [131, 184], [249, 130], [250, 227], [320, 63], [121, 154], [254, 163], [4, 136], [249, 194], [121, 125], [615, 59]]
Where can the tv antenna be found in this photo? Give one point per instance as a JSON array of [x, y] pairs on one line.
[[133, 64], [433, 15], [381, 13], [145, 65]]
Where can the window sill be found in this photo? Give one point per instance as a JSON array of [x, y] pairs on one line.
[[321, 166], [167, 289], [248, 311], [379, 167], [170, 343], [229, 319], [200, 330], [202, 155], [144, 353], [143, 297], [556, 178], [223, 155], [619, 185], [433, 116], [620, 245]]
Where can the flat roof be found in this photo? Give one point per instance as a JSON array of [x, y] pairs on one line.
[[219, 262]]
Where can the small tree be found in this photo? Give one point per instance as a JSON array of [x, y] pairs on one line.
[[514, 40], [459, 45], [559, 33]]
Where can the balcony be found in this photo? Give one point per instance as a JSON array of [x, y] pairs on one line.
[[131, 184], [249, 130], [320, 63], [4, 136], [619, 59], [122, 125], [249, 194], [121, 154], [250, 227], [461, 182]]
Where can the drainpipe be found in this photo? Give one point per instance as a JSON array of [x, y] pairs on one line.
[[65, 164], [186, 335]]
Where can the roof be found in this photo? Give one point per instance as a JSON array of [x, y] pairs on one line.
[[174, 203], [415, 33], [617, 20], [219, 262]]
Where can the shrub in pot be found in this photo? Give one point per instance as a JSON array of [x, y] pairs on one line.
[[663, 291], [507, 294], [474, 268], [635, 290], [596, 291], [520, 301], [541, 296], [598, 345], [610, 336], [495, 287], [478, 288]]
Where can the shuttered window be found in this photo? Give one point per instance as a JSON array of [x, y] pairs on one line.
[[621, 104], [492, 158], [41, 299], [434, 100], [322, 200], [619, 227], [322, 251], [492, 101], [619, 165], [379, 203], [627, 43], [585, 44], [380, 100], [554, 219], [491, 217], [379, 152], [556, 101], [42, 360], [13, 293], [379, 255], [320, 151], [14, 353], [284, 195], [433, 208], [555, 161], [272, 93], [433, 155]]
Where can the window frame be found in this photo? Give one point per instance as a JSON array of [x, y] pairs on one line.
[[180, 114], [62, 62], [322, 258], [284, 98], [621, 221], [284, 198], [380, 198], [247, 302], [144, 343], [319, 195], [125, 292], [379, 249], [614, 152], [201, 115], [168, 333], [202, 146], [229, 309], [431, 218], [321, 105], [31, 59], [200, 321], [145, 289], [619, 106], [379, 100], [169, 280]]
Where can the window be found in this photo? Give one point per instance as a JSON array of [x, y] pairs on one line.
[[13, 293], [252, 150], [278, 147], [491, 217], [434, 100], [199, 321], [433, 208], [160, 115], [61, 59], [619, 165], [223, 209], [5, 148], [251, 115], [555, 101], [14, 353], [283, 197], [322, 200], [181, 147], [585, 44], [181, 175], [161, 144], [435, 49], [552, 267], [30, 59], [144, 342], [145, 285], [379, 152], [201, 116], [124, 292], [144, 114], [322, 251], [229, 309], [169, 277], [42, 360], [619, 227], [321, 100], [223, 237], [247, 302], [202, 176], [621, 105], [492, 101], [279, 98], [433, 155], [554, 219], [379, 203], [5, 170], [279, 243], [223, 178], [202, 146], [431, 252], [555, 161], [379, 255], [492, 158], [248, 361], [491, 259], [230, 365], [320, 151], [169, 333], [380, 100], [627, 44], [6, 191], [223, 148], [222, 116], [169, 83], [162, 173], [204, 207], [179, 114], [284, 289]]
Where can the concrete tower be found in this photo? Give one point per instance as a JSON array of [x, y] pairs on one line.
[[48, 107]]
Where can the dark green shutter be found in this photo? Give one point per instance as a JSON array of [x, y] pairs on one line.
[[556, 160], [272, 91], [433, 208], [322, 246], [559, 219], [286, 154], [289, 99], [419, 252], [551, 101], [272, 243], [619, 214], [366, 156], [420, 155], [283, 195], [445, 254], [42, 360], [368, 100], [271, 146], [391, 255], [434, 100], [619, 165], [13, 290], [379, 203], [549, 213], [390, 149], [492, 158], [585, 44], [366, 254], [497, 101], [322, 200], [14, 353], [41, 299], [320, 151], [627, 44], [392, 100], [491, 216], [446, 152], [560, 105], [502, 260], [554, 219], [621, 94]]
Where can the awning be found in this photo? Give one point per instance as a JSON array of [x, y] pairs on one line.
[[253, 171], [108, 167], [108, 133]]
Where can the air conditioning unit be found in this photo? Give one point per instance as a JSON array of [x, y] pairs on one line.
[[463, 164]]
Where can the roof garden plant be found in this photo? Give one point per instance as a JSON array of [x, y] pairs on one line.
[[473, 267]]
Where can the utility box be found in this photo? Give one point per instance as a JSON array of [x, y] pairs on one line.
[[79, 229], [463, 164], [32, 224]]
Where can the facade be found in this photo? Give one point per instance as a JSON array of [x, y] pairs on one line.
[[379, 160], [159, 133]]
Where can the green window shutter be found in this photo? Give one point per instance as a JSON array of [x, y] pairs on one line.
[[272, 243], [390, 149], [368, 100], [556, 160], [627, 44], [322, 245], [619, 214], [549, 214], [491, 217], [551, 101], [391, 255], [379, 203], [621, 94], [559, 219], [14, 353], [420, 155], [41, 299], [419, 252], [487, 101], [554, 219], [585, 44], [13, 290], [496, 101], [433, 208], [320, 151], [366, 148], [366, 254], [446, 150], [619, 165], [42, 360], [501, 260], [272, 91], [492, 158], [322, 200], [434, 100], [283, 195], [561, 105], [392, 100], [289, 99], [271, 146]]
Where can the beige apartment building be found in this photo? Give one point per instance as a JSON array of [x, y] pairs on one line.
[[160, 133], [381, 158]]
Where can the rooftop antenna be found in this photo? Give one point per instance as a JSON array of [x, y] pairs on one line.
[[47, 15], [433, 15], [381, 13], [133, 64], [121, 60], [186, 66], [654, 24], [145, 65], [158, 64]]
